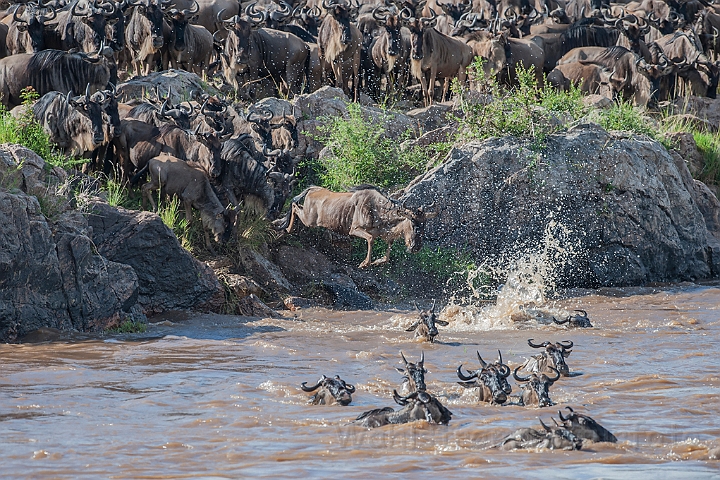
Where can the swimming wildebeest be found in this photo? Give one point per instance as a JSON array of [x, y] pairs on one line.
[[555, 438], [536, 388], [332, 390], [585, 427], [363, 212], [579, 321], [416, 406], [413, 375], [425, 326], [553, 356], [490, 380]]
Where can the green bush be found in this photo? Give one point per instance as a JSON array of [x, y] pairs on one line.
[[129, 326], [526, 110], [709, 145], [624, 116], [362, 154]]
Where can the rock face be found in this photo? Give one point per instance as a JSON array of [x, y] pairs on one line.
[[622, 210], [50, 273], [181, 82], [169, 277]]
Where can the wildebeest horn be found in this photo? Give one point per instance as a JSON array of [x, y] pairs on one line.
[[403, 357], [413, 326], [422, 359], [327, 5], [557, 375], [350, 388], [561, 416], [16, 18], [534, 345], [432, 309], [582, 311], [68, 97], [380, 18], [560, 322], [311, 389], [87, 91], [255, 16], [192, 10], [564, 346], [483, 363], [163, 108], [400, 400], [405, 14], [82, 13], [430, 21], [519, 378], [464, 377], [499, 357], [544, 426], [271, 153]]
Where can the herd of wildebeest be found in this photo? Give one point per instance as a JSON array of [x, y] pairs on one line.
[[216, 155], [488, 383]]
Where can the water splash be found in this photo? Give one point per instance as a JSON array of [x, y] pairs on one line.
[[527, 277]]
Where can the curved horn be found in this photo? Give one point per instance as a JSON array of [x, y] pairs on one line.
[[483, 363], [499, 357], [403, 357], [400, 400], [192, 10], [422, 359], [311, 389], [564, 345], [163, 108], [519, 378], [432, 309], [584, 313], [548, 429], [557, 375], [350, 388], [560, 322], [75, 13], [564, 419], [464, 377], [405, 14], [16, 18], [534, 345]]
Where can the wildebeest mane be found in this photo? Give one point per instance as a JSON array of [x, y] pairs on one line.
[[588, 36], [363, 186], [64, 72], [612, 54]]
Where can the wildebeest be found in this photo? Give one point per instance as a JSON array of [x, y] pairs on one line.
[[51, 70], [416, 406], [434, 55], [77, 125], [535, 388], [577, 321], [83, 26], [245, 177], [260, 53], [190, 46], [588, 77], [553, 356], [390, 51], [413, 375], [490, 380], [175, 177], [339, 45], [425, 326], [585, 427], [332, 391], [149, 113], [556, 438], [363, 212], [26, 32], [144, 34]]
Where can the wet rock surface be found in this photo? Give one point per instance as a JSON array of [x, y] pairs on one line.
[[629, 211]]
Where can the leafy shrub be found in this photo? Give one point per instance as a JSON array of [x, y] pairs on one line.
[[624, 116], [129, 326], [361, 154], [709, 145]]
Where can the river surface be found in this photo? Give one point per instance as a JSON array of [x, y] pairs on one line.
[[211, 396]]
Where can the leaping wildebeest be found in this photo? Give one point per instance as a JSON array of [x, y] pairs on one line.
[[364, 213], [331, 391]]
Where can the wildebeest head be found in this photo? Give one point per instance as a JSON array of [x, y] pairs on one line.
[[455, 10], [178, 20], [280, 16], [95, 15], [180, 114], [32, 20], [491, 379], [581, 321], [422, 406], [413, 374], [557, 438], [152, 12], [237, 42], [116, 22], [425, 326], [536, 388], [417, 27], [92, 107], [413, 227], [332, 390], [213, 142], [282, 185], [390, 21], [585, 427], [342, 11], [555, 353]]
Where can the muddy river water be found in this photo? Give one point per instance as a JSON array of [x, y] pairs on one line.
[[212, 396]]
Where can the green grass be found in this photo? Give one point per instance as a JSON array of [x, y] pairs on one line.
[[708, 144], [129, 326]]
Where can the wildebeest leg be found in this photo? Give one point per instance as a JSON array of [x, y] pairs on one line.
[[446, 87], [423, 87], [147, 190], [339, 80], [296, 210], [431, 85], [370, 240], [386, 258]]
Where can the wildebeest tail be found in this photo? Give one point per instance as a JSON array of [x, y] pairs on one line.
[[134, 180], [282, 223]]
